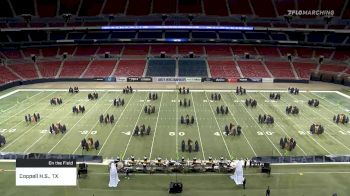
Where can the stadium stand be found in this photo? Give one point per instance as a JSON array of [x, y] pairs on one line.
[[6, 75], [100, 68], [161, 67], [73, 69], [304, 69], [130, 68], [253, 69], [49, 69], [193, 67], [223, 69], [280, 69], [25, 70]]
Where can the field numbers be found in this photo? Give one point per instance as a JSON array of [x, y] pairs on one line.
[[7, 130], [43, 131], [265, 132], [173, 133], [86, 132]]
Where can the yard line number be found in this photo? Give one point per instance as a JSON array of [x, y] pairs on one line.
[[85, 132], [173, 133], [7, 130]]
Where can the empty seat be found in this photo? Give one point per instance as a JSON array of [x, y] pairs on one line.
[[223, 69], [161, 67], [253, 69], [130, 68], [100, 68], [49, 69], [73, 69], [193, 67]]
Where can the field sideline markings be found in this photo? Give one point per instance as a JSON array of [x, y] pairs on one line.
[[312, 137], [341, 143], [217, 123], [113, 128], [76, 124], [259, 126], [21, 135], [337, 105], [200, 138], [251, 147], [279, 124], [131, 135], [27, 107], [316, 140], [3, 111], [155, 129], [9, 93], [58, 121], [92, 129]]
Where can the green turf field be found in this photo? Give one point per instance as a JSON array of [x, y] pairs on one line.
[[167, 132], [299, 180]]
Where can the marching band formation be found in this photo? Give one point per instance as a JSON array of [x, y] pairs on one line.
[[142, 130]]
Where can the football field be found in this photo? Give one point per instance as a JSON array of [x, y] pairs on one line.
[[167, 132]]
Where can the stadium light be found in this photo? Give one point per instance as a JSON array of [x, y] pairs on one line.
[[178, 27]]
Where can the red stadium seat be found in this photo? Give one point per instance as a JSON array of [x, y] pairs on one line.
[[333, 67], [114, 7], [280, 69], [130, 68], [223, 69], [140, 50], [49, 69], [6, 75], [100, 68], [73, 69], [304, 69], [215, 50], [196, 49], [25, 70], [253, 69]]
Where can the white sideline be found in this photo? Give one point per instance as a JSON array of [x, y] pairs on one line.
[[169, 90], [8, 94]]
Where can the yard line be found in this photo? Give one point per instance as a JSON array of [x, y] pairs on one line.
[[76, 123], [113, 128], [22, 121], [312, 109], [126, 148], [27, 107], [316, 140], [155, 129], [177, 126], [59, 121], [21, 102], [251, 147], [200, 138], [337, 105], [259, 127], [280, 125], [92, 128], [33, 127], [34, 143], [217, 123]]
